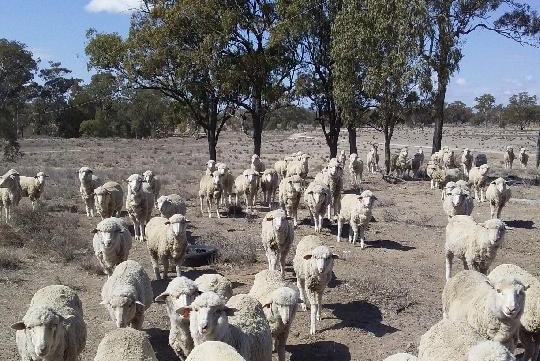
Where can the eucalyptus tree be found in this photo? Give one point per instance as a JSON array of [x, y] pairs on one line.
[[485, 104]]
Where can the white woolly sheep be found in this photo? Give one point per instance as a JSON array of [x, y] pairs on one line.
[[127, 294], [457, 200], [53, 327], [32, 187], [476, 244], [241, 323], [356, 168], [448, 159], [289, 194], [214, 282], [477, 180], [529, 333], [10, 193], [139, 204], [210, 188], [498, 194], [277, 236], [214, 351], [492, 310], [313, 263], [401, 357], [256, 164], [298, 167], [489, 351], [466, 161], [432, 169], [281, 168], [112, 243], [171, 204], [523, 158], [108, 199], [227, 183], [357, 210], [441, 176], [280, 303], [152, 183], [509, 157], [372, 159], [180, 292], [269, 186], [210, 167], [332, 177], [167, 242], [125, 344], [317, 198], [247, 184], [89, 182], [480, 159]]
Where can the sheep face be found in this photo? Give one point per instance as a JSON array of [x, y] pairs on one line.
[[177, 298], [353, 157], [161, 201], [483, 169], [41, 177], [284, 304], [109, 237], [510, 297], [367, 198], [223, 169], [321, 258], [135, 182], [458, 196], [122, 309], [496, 230], [211, 165], [216, 178], [500, 183], [102, 195], [85, 174], [178, 224]]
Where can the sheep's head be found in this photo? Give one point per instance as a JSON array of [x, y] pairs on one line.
[[216, 177], [41, 325], [522, 150], [102, 195], [320, 194], [122, 309], [207, 314], [500, 183], [251, 176], [85, 174], [268, 175], [496, 230], [295, 183], [483, 169], [466, 151], [322, 258], [254, 158], [180, 292], [459, 195], [161, 201], [509, 298], [222, 168], [420, 150], [367, 198], [509, 149], [211, 164], [109, 231], [178, 224], [353, 156], [135, 182], [278, 219], [148, 176], [283, 302], [41, 177]]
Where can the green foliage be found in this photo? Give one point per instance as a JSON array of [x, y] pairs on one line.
[[522, 109], [458, 113]]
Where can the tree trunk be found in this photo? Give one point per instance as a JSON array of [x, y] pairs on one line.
[[212, 143], [439, 115], [387, 138], [351, 128], [257, 117]]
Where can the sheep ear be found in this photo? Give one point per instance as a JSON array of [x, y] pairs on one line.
[[36, 176], [187, 220], [310, 192], [526, 287], [95, 230], [162, 297], [374, 198], [184, 311], [335, 256], [139, 303], [18, 326], [167, 222], [269, 218], [267, 305], [229, 311], [308, 256]]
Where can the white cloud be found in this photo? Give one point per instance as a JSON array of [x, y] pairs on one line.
[[112, 6], [529, 77], [461, 81]]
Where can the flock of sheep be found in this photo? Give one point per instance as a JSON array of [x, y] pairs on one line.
[[484, 315]]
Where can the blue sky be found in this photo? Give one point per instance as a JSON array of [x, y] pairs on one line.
[[55, 30]]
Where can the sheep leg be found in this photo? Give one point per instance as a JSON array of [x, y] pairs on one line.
[[295, 217], [339, 228], [165, 262], [142, 225], [209, 207], [361, 234], [155, 266], [301, 284], [328, 212], [282, 265], [281, 341], [529, 345], [312, 327], [135, 228], [201, 201], [319, 305], [178, 270], [87, 210], [449, 259], [138, 320], [499, 211], [217, 210]]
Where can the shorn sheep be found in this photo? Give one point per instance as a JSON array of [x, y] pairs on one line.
[[171, 204], [476, 244], [180, 292], [477, 180], [357, 210], [356, 168], [277, 236], [290, 191], [372, 159], [32, 187], [280, 303], [269, 186], [313, 263], [112, 243], [127, 294], [167, 242], [493, 310], [125, 344], [247, 184], [529, 332], [10, 193], [152, 183], [53, 327], [241, 323], [509, 157], [139, 204], [89, 182], [214, 351], [214, 282], [466, 161], [317, 198], [498, 194], [109, 199], [210, 188], [523, 158]]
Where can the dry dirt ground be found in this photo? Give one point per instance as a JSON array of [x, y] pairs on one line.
[[383, 298]]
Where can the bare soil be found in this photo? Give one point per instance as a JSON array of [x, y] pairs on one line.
[[383, 298]]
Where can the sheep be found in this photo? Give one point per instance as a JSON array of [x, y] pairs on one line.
[[477, 179], [401, 357], [357, 210], [476, 244], [457, 200], [372, 159], [227, 183], [112, 243], [431, 168], [247, 184], [313, 263], [127, 294], [210, 188], [10, 192], [139, 204], [108, 199], [498, 194], [441, 176], [240, 322], [523, 158], [167, 242], [529, 333], [480, 159], [415, 163], [32, 187], [256, 164], [489, 351], [317, 198], [342, 157], [53, 328], [466, 161], [171, 204], [214, 351], [398, 162], [280, 303], [356, 168], [269, 185], [509, 157], [125, 344], [214, 282], [332, 177], [152, 183], [180, 292], [289, 193], [277, 236], [89, 182], [298, 167], [210, 167], [281, 168], [493, 310], [448, 159]]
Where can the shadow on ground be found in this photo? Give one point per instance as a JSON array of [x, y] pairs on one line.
[[160, 343], [320, 350]]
